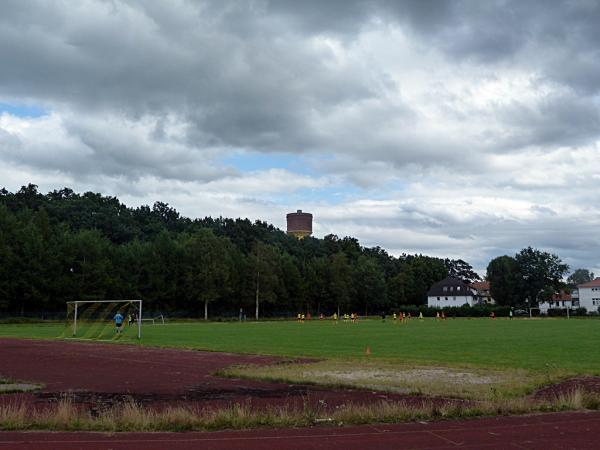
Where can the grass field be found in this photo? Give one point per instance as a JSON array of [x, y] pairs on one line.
[[538, 345]]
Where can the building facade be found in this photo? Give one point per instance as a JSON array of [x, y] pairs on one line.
[[560, 300], [451, 292], [589, 295], [484, 297]]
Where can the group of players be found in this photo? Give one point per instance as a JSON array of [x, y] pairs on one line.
[[353, 317], [396, 317]]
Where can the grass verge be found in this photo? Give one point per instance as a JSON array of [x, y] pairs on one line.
[[65, 416], [8, 386]]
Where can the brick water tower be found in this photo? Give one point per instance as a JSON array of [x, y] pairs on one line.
[[299, 224]]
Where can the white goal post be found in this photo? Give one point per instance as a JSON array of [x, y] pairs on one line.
[[76, 303], [160, 317]]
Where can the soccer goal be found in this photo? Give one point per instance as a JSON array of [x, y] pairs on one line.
[[160, 319], [95, 319]]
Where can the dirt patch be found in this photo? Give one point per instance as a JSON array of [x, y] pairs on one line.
[[398, 377]]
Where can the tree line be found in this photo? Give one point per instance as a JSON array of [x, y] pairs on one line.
[[63, 246]]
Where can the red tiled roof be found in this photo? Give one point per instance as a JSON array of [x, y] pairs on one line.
[[561, 296], [593, 283], [481, 285]]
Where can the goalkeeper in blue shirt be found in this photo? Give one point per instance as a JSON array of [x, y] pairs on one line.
[[118, 322]]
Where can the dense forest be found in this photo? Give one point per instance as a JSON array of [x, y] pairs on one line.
[[63, 246]]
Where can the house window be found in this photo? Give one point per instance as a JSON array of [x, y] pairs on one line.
[[438, 298], [445, 288], [458, 288], [445, 298]]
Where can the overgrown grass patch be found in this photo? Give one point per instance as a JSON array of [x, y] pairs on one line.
[[65, 416], [466, 382]]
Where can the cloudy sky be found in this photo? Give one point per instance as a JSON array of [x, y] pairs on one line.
[[464, 129]]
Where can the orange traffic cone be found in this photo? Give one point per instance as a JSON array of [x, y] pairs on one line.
[[368, 350]]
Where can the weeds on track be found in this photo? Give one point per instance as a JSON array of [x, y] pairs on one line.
[[65, 416]]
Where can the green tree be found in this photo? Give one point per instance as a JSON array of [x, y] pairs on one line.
[[539, 270], [462, 270], [340, 280], [291, 292], [316, 280], [207, 267], [88, 258], [370, 287], [580, 276], [265, 259], [420, 272], [505, 284]]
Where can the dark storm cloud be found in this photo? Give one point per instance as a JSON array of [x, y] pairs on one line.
[[558, 38], [250, 74], [558, 120], [263, 75], [245, 85]]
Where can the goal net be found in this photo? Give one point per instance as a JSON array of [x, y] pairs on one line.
[[97, 319]]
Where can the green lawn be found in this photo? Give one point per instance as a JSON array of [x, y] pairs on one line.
[[540, 345]]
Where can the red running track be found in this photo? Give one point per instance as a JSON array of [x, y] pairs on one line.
[[548, 431], [101, 375]]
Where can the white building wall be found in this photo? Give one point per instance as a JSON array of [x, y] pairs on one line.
[[449, 301], [589, 298], [562, 304]]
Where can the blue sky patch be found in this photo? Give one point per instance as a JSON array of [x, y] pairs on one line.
[[248, 161], [22, 110]]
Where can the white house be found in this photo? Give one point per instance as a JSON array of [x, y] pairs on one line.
[[451, 292], [560, 300], [589, 295]]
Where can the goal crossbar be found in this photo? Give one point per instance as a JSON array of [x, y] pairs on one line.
[[78, 302]]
